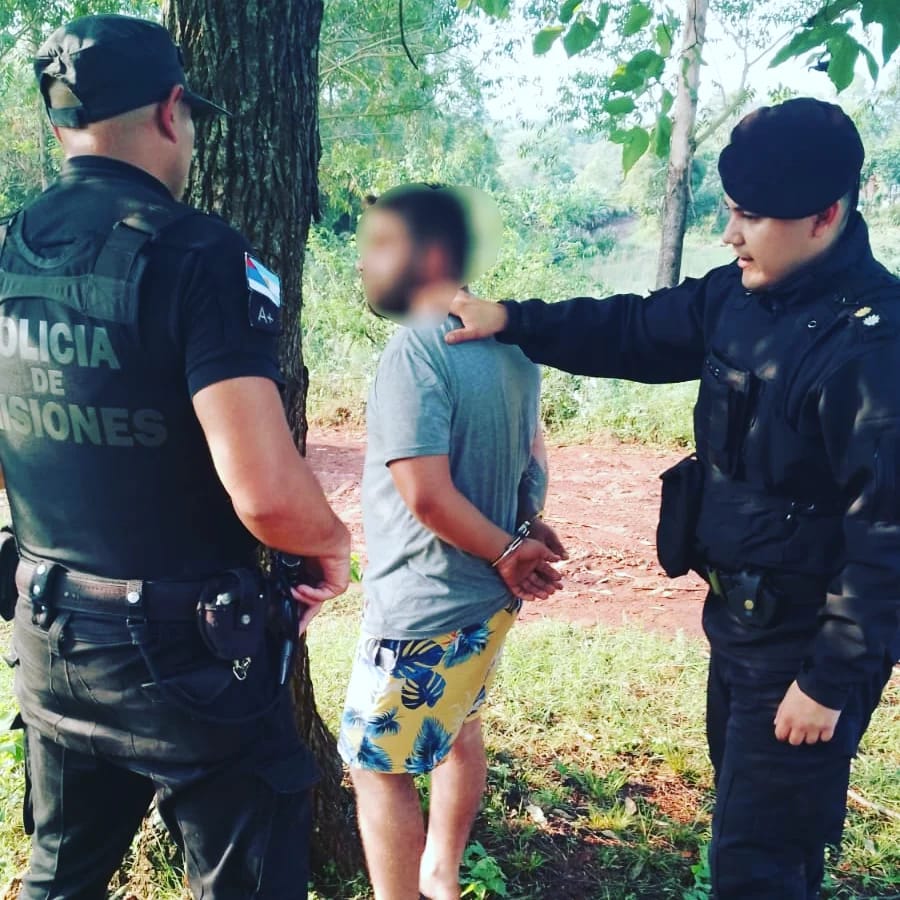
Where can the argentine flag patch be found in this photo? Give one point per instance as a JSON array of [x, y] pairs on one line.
[[264, 294]]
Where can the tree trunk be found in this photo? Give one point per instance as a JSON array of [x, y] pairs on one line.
[[258, 170], [681, 154]]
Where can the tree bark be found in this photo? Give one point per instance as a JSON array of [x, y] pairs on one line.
[[681, 154], [258, 170]]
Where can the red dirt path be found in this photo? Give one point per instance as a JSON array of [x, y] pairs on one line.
[[603, 502]]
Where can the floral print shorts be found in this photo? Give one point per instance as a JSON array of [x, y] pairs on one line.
[[408, 699]]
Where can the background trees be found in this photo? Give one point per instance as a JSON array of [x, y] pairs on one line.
[[438, 109]]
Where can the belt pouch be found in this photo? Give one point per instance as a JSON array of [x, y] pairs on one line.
[[9, 561], [231, 614], [682, 493]]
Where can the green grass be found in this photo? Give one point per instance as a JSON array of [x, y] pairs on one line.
[[599, 785]]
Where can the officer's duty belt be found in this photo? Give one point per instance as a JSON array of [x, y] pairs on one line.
[[760, 598], [50, 584], [791, 586]]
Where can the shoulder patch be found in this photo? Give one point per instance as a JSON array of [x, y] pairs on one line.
[[264, 296]]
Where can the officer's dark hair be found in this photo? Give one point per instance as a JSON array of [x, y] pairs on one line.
[[434, 215]]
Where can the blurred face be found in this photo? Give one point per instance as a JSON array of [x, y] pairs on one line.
[[769, 250], [387, 261]]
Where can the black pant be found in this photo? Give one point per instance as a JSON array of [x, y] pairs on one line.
[[777, 806], [102, 740]]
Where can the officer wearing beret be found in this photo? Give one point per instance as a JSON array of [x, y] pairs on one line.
[[791, 507], [146, 452]]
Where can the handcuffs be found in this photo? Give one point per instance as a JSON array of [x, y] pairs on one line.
[[523, 532]]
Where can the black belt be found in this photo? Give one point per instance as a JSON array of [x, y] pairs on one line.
[[50, 584]]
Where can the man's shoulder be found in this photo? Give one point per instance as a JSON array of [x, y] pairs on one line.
[[205, 233]]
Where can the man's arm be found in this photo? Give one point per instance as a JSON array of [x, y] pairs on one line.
[[426, 486], [859, 411], [654, 340], [533, 495], [272, 487]]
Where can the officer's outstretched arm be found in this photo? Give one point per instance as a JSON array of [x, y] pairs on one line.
[[274, 491]]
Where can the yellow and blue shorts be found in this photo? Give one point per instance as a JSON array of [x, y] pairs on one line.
[[408, 699]]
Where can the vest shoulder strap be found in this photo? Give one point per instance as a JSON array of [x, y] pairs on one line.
[[105, 285]]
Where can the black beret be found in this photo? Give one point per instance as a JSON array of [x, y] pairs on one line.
[[792, 160], [112, 64]]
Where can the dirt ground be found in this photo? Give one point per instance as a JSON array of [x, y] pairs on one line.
[[603, 502]]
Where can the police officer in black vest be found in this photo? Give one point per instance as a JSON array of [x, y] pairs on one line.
[[146, 452], [791, 507]]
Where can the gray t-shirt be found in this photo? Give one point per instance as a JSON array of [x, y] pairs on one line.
[[477, 403]]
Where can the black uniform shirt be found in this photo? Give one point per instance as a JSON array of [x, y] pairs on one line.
[[797, 424], [107, 468]]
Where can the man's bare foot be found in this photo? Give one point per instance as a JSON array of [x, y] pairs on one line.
[[437, 885]]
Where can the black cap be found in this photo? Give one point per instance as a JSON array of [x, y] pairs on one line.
[[792, 160], [112, 64]]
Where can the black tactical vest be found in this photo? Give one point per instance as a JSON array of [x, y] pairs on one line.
[[98, 440]]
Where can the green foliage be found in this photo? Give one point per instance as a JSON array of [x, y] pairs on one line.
[[383, 122], [827, 36], [546, 38], [498, 9], [702, 886], [581, 34], [482, 876], [634, 146]]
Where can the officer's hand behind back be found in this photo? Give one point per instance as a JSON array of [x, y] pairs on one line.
[[330, 576]]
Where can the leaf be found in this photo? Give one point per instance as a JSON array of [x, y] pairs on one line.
[[469, 642], [546, 38], [844, 52], [808, 39], [414, 656], [384, 723], [619, 106], [603, 16], [353, 718], [870, 62], [884, 12], [580, 36], [618, 136], [371, 756], [499, 9], [425, 688], [662, 136], [634, 147], [667, 100], [648, 63], [567, 10], [664, 39], [638, 16], [625, 80], [432, 744]]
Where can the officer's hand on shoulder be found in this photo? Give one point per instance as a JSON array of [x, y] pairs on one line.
[[480, 318], [801, 720]]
